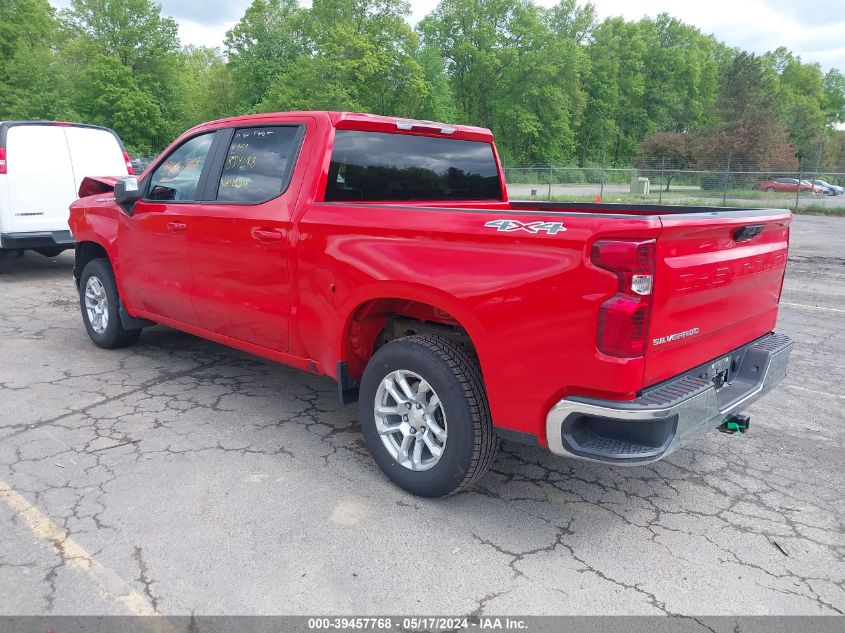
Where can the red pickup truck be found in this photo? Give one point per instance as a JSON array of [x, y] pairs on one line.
[[384, 253]]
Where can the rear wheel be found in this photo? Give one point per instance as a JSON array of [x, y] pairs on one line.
[[100, 304], [425, 417], [770, 189]]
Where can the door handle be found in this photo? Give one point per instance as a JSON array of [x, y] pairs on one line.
[[267, 235], [177, 227]]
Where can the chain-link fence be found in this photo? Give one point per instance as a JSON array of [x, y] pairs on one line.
[[662, 181]]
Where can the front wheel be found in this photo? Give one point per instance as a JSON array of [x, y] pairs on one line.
[[100, 305], [425, 417]]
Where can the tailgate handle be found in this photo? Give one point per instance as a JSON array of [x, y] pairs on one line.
[[749, 232]]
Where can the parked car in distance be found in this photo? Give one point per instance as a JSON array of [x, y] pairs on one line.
[[42, 166], [784, 185], [384, 253], [813, 188], [829, 189]]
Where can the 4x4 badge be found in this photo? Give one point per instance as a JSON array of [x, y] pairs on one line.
[[509, 226]]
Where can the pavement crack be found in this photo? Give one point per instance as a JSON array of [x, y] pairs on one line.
[[143, 577]]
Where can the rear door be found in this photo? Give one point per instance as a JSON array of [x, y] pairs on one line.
[[94, 152], [717, 286], [40, 178], [241, 242]]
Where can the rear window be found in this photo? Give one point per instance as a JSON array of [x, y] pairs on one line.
[[376, 166]]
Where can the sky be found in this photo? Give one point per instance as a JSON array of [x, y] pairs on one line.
[[812, 29]]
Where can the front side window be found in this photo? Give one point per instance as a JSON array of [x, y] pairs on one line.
[[258, 164], [178, 176], [378, 166]]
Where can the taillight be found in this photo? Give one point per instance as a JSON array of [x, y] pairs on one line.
[[624, 318], [128, 160], [2, 160]]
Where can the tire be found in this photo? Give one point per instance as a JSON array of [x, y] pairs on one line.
[[770, 189], [461, 415], [97, 284]]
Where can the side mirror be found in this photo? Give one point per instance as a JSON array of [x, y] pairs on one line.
[[127, 191]]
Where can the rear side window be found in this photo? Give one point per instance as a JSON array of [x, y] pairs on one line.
[[373, 166], [258, 164], [178, 176]]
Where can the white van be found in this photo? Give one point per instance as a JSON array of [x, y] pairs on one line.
[[42, 164]]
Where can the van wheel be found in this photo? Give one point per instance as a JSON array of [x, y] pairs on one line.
[[425, 417], [100, 303]]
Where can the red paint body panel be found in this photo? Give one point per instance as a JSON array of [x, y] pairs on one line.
[[705, 280], [319, 293]]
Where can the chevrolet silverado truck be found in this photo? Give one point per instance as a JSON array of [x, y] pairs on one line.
[[384, 253]]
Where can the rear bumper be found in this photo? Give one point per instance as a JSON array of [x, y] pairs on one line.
[[40, 239], [667, 416]]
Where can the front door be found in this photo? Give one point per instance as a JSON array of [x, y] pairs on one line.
[[153, 251], [241, 241]]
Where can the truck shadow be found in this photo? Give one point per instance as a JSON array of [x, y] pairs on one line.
[[315, 428], [34, 267]]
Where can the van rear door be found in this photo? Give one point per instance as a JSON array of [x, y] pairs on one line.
[[40, 178], [94, 152]]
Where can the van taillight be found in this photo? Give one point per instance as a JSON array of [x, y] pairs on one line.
[[128, 160], [624, 318], [2, 160]]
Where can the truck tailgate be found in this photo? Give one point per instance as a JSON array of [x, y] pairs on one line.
[[717, 286]]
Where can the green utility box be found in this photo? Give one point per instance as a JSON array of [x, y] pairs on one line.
[[639, 185]]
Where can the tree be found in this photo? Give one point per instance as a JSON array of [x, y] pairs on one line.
[[361, 56], [134, 31], [834, 96], [665, 154], [802, 99], [681, 69], [114, 99], [514, 67], [23, 22], [206, 87], [127, 62], [753, 144], [28, 87], [615, 119], [746, 90], [263, 45], [439, 102]]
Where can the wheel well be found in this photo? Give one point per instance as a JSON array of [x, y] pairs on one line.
[[85, 252], [379, 321]]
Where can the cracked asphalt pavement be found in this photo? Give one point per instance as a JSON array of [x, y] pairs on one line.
[[179, 476]]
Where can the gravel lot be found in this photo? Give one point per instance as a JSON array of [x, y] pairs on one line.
[[180, 476]]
